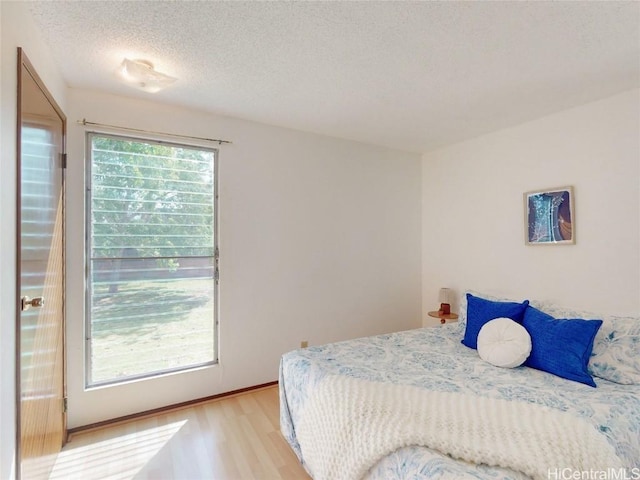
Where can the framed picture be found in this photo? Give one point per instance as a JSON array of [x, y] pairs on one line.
[[549, 218]]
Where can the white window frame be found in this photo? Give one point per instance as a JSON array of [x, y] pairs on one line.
[[89, 135]]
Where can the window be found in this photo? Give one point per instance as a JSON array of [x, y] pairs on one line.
[[152, 258]]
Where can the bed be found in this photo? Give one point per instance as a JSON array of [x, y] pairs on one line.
[[419, 404]]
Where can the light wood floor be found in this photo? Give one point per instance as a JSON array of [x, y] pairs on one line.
[[233, 438]]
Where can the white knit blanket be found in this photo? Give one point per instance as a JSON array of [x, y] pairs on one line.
[[349, 424]]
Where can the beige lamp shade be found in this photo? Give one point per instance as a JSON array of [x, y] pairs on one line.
[[445, 295]]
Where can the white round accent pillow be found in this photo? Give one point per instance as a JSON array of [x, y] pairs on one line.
[[504, 343]]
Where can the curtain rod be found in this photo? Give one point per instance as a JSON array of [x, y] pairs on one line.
[[139, 130]]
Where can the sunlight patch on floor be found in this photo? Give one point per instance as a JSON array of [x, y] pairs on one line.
[[112, 454]]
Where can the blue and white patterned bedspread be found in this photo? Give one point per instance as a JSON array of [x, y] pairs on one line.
[[434, 358]]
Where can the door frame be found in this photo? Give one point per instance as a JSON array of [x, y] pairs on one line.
[[23, 61]]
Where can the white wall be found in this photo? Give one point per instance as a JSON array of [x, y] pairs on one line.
[[17, 30], [473, 219], [319, 240]]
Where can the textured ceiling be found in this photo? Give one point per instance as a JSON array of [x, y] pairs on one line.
[[411, 75]]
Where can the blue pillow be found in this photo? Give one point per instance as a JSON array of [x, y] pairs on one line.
[[561, 347], [481, 311]]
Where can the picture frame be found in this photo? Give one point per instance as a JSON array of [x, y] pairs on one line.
[[549, 217]]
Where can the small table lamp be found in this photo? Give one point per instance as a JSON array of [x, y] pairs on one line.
[[445, 297]]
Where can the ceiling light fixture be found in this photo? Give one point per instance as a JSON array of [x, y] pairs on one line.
[[140, 74]]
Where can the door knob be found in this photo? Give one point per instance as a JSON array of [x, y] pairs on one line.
[[27, 303]]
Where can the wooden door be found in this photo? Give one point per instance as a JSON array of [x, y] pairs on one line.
[[41, 428]]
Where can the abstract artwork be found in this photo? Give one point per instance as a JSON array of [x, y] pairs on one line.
[[549, 217]]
